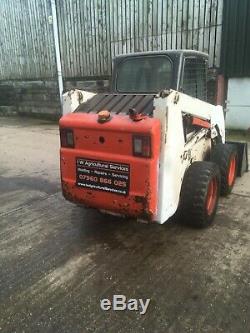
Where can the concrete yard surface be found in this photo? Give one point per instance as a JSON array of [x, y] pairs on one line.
[[58, 260]]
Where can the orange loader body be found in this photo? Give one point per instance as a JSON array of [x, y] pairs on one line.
[[103, 171]]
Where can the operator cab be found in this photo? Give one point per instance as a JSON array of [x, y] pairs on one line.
[[151, 72]]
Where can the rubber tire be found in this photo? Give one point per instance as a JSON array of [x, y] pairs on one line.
[[192, 208], [222, 154]]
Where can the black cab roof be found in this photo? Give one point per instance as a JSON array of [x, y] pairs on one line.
[[177, 52]]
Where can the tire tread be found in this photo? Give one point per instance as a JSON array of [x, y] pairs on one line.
[[194, 192], [221, 155]]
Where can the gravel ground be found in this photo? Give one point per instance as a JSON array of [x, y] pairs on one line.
[[57, 260]]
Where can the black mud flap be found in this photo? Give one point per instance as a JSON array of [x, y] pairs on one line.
[[242, 156]]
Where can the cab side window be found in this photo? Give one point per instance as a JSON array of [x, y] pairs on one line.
[[195, 78]]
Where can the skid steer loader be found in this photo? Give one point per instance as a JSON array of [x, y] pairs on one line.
[[153, 146]]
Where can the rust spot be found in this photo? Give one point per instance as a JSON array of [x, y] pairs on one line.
[[140, 199], [67, 193], [147, 214]]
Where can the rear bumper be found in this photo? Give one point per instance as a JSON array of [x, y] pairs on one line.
[[132, 206]]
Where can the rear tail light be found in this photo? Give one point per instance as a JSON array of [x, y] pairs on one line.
[[67, 138], [142, 146]]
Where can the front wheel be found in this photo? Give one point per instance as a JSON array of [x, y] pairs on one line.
[[199, 194], [225, 156]]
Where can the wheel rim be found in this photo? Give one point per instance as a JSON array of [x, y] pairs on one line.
[[212, 194], [231, 171]]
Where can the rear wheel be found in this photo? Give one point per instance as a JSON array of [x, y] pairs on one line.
[[225, 156], [199, 194]]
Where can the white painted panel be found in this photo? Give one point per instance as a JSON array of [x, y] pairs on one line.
[[238, 115]]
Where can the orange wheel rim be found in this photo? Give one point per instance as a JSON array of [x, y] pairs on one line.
[[231, 171], [212, 194]]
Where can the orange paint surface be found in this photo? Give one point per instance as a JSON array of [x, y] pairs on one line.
[[112, 142], [199, 122]]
